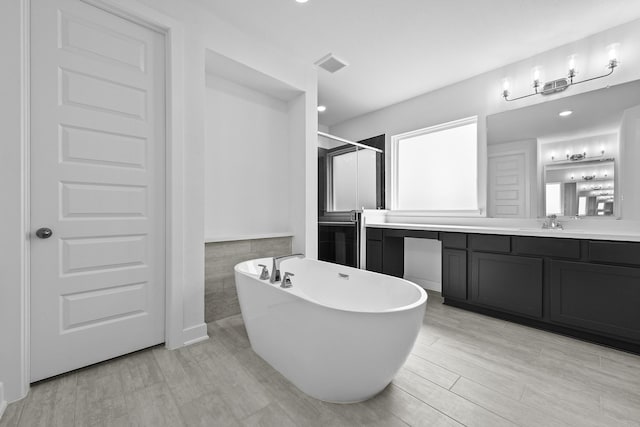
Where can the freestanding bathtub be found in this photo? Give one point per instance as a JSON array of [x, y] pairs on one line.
[[339, 334]]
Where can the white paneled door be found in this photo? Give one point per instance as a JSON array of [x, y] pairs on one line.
[[97, 183], [507, 178]]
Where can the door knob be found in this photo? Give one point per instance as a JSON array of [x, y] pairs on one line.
[[44, 233]]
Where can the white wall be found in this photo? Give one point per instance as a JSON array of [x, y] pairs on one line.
[[246, 162], [303, 185], [202, 31], [481, 95]]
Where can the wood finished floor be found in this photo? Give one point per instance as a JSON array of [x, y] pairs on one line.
[[465, 369]]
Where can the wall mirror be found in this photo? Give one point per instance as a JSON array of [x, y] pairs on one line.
[[559, 157]]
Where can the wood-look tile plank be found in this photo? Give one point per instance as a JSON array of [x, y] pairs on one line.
[[269, 416], [488, 374], [106, 412], [206, 411], [569, 408], [153, 406], [508, 373], [186, 379], [624, 408], [447, 402], [302, 409], [411, 410], [509, 408], [138, 370], [364, 414], [12, 413], [591, 377], [51, 403], [625, 370], [241, 391], [434, 373]]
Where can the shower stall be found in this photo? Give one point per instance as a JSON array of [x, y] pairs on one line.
[[350, 179]]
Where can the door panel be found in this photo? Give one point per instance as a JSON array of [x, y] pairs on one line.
[[97, 180], [600, 298], [506, 282], [507, 186], [454, 273]]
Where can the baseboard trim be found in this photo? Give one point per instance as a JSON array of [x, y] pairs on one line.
[[195, 334], [427, 284], [3, 403]]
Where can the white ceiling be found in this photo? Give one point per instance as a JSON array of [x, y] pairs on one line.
[[397, 49]]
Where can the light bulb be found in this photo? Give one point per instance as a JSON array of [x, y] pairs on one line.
[[612, 51], [536, 73], [505, 88], [572, 67], [322, 108], [536, 78]]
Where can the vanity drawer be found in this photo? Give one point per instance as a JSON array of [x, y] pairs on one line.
[[421, 234], [614, 252], [550, 247], [454, 240], [490, 243]]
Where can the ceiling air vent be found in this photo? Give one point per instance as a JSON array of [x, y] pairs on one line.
[[330, 63], [555, 86]]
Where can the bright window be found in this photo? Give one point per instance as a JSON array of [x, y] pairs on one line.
[[436, 169], [553, 202]]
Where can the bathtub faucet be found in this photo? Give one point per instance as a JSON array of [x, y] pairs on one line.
[[275, 270]]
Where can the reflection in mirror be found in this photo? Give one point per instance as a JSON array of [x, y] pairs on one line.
[[584, 188], [541, 162]]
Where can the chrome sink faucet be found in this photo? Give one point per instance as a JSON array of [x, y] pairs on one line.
[[275, 270], [552, 223]]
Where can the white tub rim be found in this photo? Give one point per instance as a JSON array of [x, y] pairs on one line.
[[294, 292]]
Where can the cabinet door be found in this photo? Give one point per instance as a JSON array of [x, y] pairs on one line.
[[374, 255], [454, 273], [600, 298], [508, 283]]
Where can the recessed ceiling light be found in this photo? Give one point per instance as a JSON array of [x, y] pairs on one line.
[[302, 1], [565, 113], [321, 108]]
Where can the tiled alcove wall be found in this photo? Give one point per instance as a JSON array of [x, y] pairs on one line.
[[220, 298]]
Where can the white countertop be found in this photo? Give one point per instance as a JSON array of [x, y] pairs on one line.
[[605, 233]]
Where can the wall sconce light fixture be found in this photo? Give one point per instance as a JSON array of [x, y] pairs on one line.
[[561, 84]]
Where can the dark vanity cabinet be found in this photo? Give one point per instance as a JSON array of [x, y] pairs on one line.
[[509, 283], [588, 289], [374, 249]]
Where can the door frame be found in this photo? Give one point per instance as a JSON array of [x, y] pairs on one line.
[[174, 169]]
